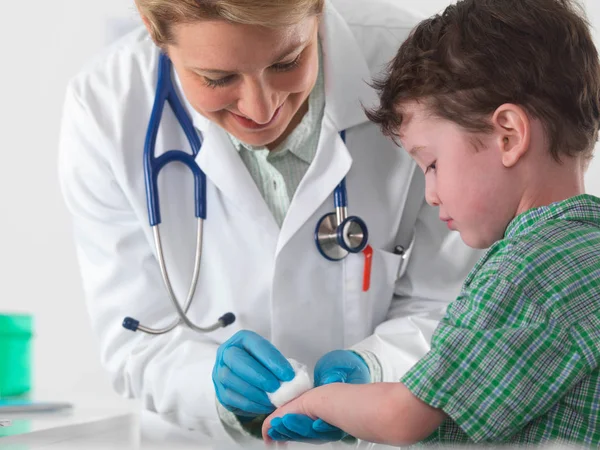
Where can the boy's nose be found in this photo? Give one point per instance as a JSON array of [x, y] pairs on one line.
[[431, 196]]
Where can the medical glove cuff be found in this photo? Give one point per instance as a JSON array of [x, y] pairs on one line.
[[241, 430], [372, 363]]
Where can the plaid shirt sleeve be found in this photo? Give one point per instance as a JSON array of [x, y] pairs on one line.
[[490, 375]]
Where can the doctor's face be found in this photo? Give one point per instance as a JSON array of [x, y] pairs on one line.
[[252, 81], [469, 184]]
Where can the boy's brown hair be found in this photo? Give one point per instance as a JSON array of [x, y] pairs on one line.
[[480, 54]]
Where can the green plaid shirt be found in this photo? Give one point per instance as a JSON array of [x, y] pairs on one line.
[[516, 358]]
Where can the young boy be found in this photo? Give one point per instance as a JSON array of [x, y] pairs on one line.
[[498, 103]]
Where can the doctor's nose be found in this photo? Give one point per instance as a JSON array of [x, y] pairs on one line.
[[257, 102]]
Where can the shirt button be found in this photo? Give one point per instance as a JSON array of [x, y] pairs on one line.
[[274, 184]]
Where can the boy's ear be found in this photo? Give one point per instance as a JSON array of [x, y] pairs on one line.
[[513, 131]]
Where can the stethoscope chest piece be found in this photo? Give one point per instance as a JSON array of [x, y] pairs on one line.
[[336, 234], [336, 239], [326, 238]]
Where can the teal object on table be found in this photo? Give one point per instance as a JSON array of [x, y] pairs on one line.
[[16, 334]]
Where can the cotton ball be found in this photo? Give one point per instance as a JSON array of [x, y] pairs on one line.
[[289, 390]]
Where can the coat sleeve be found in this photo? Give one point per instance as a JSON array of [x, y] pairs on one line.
[[170, 374], [437, 266]]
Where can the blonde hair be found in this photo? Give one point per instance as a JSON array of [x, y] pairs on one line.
[[162, 15]]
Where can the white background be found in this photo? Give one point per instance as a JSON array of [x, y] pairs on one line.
[[44, 44]]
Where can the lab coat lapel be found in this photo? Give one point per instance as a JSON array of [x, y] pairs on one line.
[[330, 165], [346, 90], [223, 166]]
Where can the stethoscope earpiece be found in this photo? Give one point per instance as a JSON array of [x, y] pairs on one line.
[[165, 93]]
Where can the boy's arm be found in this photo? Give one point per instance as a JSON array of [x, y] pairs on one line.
[[437, 266], [500, 360], [386, 413]]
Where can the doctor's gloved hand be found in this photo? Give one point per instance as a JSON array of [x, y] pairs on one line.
[[338, 366], [247, 367], [341, 366]]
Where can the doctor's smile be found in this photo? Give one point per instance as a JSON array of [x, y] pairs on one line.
[[254, 82], [251, 124]]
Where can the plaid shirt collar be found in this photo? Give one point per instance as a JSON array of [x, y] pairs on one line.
[[582, 208]]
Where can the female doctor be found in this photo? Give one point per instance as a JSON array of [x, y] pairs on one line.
[[275, 93]]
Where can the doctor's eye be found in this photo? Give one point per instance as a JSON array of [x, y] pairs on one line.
[[287, 66], [217, 83]]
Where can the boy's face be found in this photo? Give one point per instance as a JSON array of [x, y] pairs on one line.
[[470, 184]]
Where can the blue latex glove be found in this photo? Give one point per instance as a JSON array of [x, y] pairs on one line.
[[341, 366], [301, 428], [338, 366], [247, 367]]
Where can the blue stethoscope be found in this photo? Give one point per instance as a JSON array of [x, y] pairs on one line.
[[336, 234]]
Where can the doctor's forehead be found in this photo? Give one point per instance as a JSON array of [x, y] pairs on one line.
[[226, 46]]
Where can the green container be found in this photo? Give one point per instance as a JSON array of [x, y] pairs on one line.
[[16, 332]]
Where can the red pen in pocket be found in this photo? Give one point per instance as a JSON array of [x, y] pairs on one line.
[[368, 252]]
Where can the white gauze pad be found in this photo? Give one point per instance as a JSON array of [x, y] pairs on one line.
[[289, 390]]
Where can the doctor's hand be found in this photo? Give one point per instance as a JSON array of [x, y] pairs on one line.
[[338, 366], [341, 366], [247, 367]]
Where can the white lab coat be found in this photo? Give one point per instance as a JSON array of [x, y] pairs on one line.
[[274, 280]]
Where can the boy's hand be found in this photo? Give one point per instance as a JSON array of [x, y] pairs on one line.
[[297, 421], [295, 407], [338, 366]]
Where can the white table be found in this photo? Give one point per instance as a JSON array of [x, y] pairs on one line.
[[76, 428]]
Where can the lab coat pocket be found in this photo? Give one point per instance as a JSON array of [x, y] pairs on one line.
[[365, 309]]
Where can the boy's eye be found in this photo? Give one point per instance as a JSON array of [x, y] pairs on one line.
[[431, 167]]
